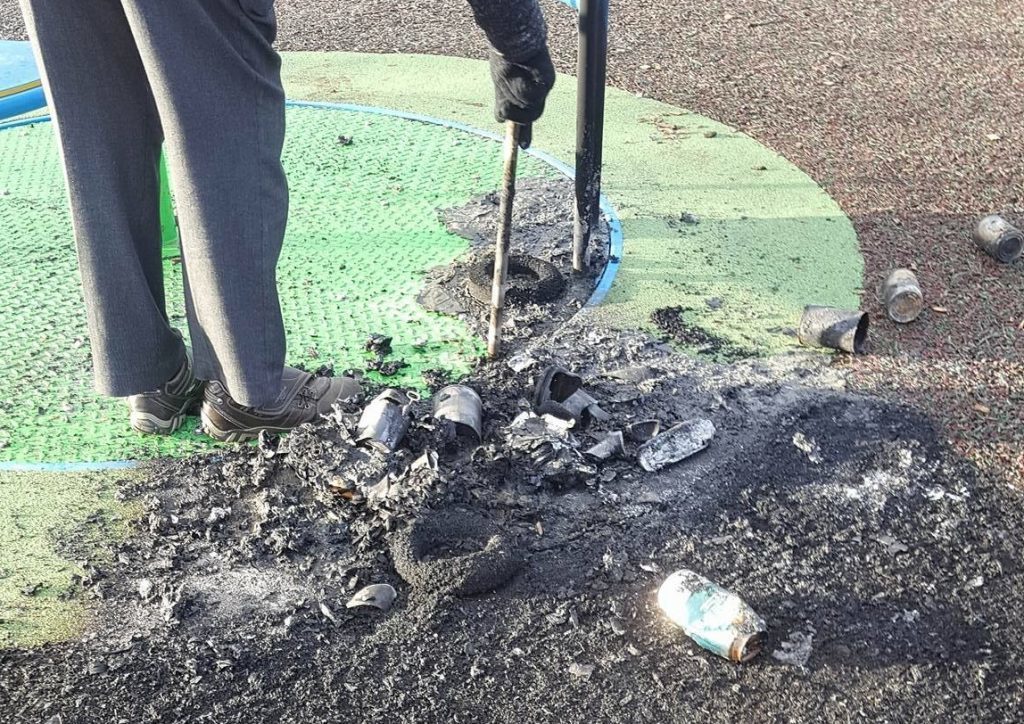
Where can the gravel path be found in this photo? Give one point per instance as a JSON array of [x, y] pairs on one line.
[[904, 112]]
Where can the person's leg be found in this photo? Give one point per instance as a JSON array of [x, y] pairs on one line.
[[216, 81], [109, 137]]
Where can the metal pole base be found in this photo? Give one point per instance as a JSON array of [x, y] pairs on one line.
[[591, 74]]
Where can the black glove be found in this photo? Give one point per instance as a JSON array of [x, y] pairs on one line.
[[520, 90]]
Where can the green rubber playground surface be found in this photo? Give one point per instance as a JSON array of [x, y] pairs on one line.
[[50, 523], [768, 239], [363, 229]]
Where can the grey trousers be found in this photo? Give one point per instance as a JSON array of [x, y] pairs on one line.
[[123, 77]]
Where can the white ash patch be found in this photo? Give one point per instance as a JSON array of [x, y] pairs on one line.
[[876, 487], [231, 595], [809, 446], [796, 650]]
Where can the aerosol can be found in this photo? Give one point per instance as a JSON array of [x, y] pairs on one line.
[[715, 618]]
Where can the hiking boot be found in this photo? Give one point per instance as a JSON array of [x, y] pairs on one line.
[[303, 398], [164, 410]]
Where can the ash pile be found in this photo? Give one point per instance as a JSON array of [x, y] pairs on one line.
[[377, 463], [283, 529], [539, 564]]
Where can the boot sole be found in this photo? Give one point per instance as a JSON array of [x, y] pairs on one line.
[[147, 424], [237, 435]]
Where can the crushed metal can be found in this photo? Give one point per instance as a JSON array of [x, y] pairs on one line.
[[546, 445], [554, 386], [713, 617], [643, 431], [378, 595], [385, 421], [582, 406], [845, 330], [462, 406], [675, 444], [560, 392], [613, 445]]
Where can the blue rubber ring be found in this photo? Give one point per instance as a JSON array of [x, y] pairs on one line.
[[6, 125]]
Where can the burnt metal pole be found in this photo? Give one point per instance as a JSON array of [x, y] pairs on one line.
[[590, 73]]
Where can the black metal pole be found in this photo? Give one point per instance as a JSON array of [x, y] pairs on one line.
[[590, 72]]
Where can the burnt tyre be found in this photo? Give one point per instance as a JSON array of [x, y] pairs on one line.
[[530, 280], [456, 553]]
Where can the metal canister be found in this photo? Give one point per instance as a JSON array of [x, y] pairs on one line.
[[643, 431], [385, 420], [713, 617], [462, 406], [556, 384], [901, 296], [583, 407], [842, 329], [675, 444], [999, 238], [613, 445]]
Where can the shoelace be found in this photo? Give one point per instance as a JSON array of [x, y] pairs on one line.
[[306, 397]]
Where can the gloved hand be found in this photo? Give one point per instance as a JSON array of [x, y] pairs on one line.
[[520, 90]]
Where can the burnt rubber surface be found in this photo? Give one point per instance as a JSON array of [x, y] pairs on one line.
[[889, 574], [916, 140], [898, 132], [455, 552], [673, 324], [530, 280], [542, 225]]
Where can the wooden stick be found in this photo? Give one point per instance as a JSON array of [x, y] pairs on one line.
[[508, 194]]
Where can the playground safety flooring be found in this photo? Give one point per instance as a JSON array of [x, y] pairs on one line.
[[363, 229], [829, 111], [769, 234], [700, 226]]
